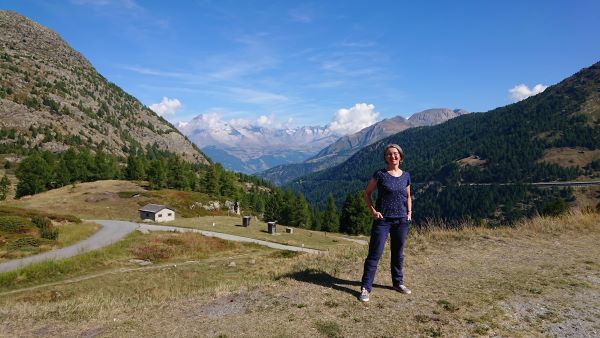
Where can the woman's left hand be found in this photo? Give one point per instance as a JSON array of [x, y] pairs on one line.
[[409, 216]]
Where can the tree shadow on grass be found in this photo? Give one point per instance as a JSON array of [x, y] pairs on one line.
[[322, 278]]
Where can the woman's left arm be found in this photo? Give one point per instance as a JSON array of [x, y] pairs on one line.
[[408, 203]]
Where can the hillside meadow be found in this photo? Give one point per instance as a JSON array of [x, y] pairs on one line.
[[538, 278]]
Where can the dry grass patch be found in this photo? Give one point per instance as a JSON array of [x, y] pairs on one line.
[[87, 200], [570, 157], [258, 230], [540, 278]]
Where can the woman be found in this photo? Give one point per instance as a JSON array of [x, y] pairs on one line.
[[392, 212]]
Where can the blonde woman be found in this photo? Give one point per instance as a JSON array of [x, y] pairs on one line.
[[392, 213]]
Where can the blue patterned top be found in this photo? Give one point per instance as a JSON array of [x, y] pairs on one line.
[[391, 194]]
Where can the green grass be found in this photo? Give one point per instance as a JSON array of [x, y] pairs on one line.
[[72, 233], [329, 329], [52, 270], [157, 247]]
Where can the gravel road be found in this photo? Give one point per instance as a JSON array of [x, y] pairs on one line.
[[113, 231]]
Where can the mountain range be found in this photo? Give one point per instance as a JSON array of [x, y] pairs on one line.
[[251, 148], [52, 98], [347, 145]]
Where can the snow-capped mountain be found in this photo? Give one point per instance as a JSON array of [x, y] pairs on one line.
[[251, 148]]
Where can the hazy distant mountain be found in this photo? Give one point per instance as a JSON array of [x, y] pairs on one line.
[[52, 98], [347, 145], [251, 148]]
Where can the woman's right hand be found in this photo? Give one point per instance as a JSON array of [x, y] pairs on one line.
[[377, 215]]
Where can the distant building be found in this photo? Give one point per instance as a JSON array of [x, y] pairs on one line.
[[157, 213]]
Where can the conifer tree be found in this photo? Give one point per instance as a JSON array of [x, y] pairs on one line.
[[211, 180], [33, 174], [302, 214], [355, 218], [157, 174], [135, 168], [4, 187], [331, 220]]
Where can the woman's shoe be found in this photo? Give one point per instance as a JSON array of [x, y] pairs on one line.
[[402, 289]]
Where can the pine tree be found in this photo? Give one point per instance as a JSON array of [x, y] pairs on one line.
[[33, 174], [302, 213], [355, 218], [177, 177], [227, 184], [157, 174], [135, 168], [105, 167], [331, 220], [211, 181], [4, 188]]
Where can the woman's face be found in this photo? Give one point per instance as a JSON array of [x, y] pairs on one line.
[[392, 156]]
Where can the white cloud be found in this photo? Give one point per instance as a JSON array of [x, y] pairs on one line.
[[166, 106], [239, 123], [264, 120], [256, 96], [346, 121], [300, 16], [521, 92]]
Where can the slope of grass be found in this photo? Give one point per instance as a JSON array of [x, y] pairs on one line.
[[540, 278], [258, 230]]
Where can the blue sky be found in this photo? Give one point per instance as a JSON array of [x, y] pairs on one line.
[[298, 63]]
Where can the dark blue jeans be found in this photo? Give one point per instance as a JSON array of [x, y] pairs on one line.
[[398, 230]]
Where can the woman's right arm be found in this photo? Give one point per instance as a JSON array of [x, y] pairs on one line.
[[371, 186]]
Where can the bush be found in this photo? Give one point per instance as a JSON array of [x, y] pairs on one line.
[[554, 208], [41, 222], [24, 242], [14, 224], [49, 233], [153, 251], [45, 227]]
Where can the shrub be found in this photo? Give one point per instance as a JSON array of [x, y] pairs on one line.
[[153, 251], [49, 233], [24, 242], [41, 222], [554, 208], [45, 227], [14, 224]]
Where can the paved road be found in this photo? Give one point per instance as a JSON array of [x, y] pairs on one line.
[[152, 227], [113, 231]]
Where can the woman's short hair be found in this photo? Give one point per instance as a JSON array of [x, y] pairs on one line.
[[393, 145]]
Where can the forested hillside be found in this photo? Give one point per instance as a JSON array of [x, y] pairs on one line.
[[511, 144]]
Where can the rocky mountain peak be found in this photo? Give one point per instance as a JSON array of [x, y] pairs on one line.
[[434, 116], [52, 98]]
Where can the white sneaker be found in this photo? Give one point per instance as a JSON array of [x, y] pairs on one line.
[[402, 289], [364, 295]]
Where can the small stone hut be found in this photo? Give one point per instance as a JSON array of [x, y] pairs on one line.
[[157, 213]]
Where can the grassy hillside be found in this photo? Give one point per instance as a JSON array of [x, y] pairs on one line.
[[521, 142], [540, 278], [115, 199]]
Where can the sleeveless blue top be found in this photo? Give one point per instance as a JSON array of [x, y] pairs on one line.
[[391, 194]]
